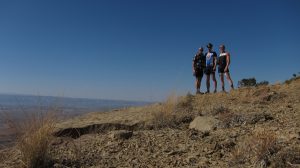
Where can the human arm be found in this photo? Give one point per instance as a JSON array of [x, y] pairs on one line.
[[227, 62], [193, 65], [215, 61]]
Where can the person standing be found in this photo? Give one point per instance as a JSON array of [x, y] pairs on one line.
[[198, 68], [210, 69], [224, 62]]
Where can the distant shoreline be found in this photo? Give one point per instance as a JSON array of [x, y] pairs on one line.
[[18, 106]]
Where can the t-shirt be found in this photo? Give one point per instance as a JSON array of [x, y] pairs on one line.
[[210, 56], [199, 61]]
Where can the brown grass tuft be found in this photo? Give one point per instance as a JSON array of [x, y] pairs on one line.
[[34, 134], [219, 110], [172, 112], [257, 149], [288, 157], [165, 114]]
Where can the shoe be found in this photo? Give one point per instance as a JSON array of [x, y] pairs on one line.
[[207, 92], [215, 91]]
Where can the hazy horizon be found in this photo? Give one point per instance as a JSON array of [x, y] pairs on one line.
[[68, 97]]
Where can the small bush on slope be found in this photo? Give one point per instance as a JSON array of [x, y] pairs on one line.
[[256, 149], [174, 111], [34, 135]]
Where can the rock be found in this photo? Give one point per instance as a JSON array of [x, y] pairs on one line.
[[204, 123], [121, 134]]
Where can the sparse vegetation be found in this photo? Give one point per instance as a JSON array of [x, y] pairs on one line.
[[288, 157], [34, 135], [247, 82], [256, 148], [173, 111], [295, 77], [262, 83], [250, 127], [219, 109], [165, 114]]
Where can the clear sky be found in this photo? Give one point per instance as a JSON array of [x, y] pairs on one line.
[[140, 49]]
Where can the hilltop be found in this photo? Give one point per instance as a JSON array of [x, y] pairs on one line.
[[248, 127]]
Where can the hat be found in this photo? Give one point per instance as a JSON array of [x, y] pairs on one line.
[[209, 45]]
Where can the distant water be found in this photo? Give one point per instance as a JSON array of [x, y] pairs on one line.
[[16, 106]]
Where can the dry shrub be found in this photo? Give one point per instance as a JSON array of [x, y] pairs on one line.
[[34, 134], [2, 157], [219, 110], [186, 102], [165, 114], [256, 149], [288, 157], [227, 119], [169, 106], [171, 113]]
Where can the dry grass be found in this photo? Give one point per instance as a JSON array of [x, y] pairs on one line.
[[2, 157], [256, 149], [288, 157], [219, 110], [165, 114], [263, 145], [171, 113], [34, 134]]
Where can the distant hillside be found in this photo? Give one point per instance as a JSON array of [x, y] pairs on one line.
[[248, 127], [16, 107], [16, 103]]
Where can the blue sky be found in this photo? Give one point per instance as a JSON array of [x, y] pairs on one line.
[[140, 50]]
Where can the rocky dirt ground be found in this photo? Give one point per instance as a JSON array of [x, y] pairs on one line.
[[248, 127]]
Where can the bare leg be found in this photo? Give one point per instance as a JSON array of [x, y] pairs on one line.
[[198, 84], [222, 81], [200, 79], [215, 81], [229, 79], [207, 82]]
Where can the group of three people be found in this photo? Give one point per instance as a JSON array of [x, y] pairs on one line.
[[207, 64]]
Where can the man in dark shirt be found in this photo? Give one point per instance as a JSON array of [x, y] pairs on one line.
[[198, 68]]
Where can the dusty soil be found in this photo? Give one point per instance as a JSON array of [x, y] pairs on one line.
[[256, 127]]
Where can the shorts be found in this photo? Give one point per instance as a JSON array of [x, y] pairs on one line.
[[199, 73], [209, 70], [221, 69]]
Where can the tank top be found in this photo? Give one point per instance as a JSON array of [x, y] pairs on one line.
[[222, 59]]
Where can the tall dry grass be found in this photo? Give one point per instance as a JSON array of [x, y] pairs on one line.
[[34, 134], [257, 149], [164, 114], [172, 112]]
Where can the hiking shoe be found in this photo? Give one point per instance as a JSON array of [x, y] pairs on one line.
[[198, 92]]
